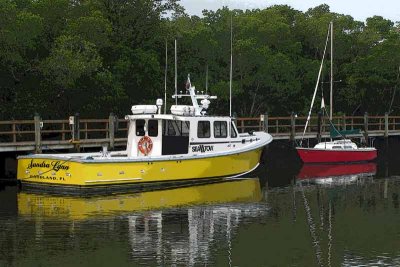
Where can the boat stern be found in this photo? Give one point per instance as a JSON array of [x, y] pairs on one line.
[[47, 170]]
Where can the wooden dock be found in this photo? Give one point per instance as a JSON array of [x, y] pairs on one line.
[[43, 135]]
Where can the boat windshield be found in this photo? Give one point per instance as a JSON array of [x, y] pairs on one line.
[[176, 128]]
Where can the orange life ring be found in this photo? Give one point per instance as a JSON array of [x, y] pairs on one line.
[[145, 145]]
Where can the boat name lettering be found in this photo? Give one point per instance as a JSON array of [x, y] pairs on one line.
[[54, 165], [202, 148], [42, 177]]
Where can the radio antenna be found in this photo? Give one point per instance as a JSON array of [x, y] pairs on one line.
[[165, 77], [176, 77], [230, 74]]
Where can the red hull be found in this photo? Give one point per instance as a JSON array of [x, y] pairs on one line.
[[330, 170], [313, 155]]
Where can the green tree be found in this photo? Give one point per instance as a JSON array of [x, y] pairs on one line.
[[71, 59]]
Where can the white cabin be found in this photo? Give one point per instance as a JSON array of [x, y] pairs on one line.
[[174, 135], [338, 144], [186, 131]]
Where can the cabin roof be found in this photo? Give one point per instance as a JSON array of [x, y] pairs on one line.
[[173, 117]]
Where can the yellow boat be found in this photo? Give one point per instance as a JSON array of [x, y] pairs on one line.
[[76, 207], [182, 146]]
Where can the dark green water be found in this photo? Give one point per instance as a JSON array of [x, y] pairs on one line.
[[289, 216]]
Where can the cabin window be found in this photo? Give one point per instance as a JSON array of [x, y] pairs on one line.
[[169, 129], [140, 127], [176, 128], [203, 129], [220, 129], [153, 128], [185, 126], [233, 131]]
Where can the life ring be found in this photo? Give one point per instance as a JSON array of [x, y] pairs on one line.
[[145, 145]]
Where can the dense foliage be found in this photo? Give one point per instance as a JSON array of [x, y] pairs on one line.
[[58, 57]]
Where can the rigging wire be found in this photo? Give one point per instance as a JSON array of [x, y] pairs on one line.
[[325, 114], [165, 77], [394, 91], [316, 87]]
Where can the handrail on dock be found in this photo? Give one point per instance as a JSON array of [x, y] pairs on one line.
[[37, 134]]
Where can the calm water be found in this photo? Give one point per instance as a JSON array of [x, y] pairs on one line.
[[287, 215]]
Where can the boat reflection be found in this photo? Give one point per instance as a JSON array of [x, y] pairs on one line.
[[179, 226], [78, 207], [335, 174]]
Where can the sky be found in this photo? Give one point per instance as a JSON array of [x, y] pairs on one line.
[[358, 9]]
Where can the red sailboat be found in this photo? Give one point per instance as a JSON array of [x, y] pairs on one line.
[[336, 151], [343, 150]]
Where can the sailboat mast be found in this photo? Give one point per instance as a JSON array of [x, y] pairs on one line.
[[230, 75], [165, 77], [316, 86], [331, 91], [207, 78], [176, 77]]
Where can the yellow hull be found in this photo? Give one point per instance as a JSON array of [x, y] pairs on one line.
[[247, 190], [50, 171]]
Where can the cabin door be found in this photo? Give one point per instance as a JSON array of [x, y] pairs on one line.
[[175, 137], [145, 138]]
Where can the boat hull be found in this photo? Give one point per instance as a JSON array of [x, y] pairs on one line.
[[51, 171], [312, 155]]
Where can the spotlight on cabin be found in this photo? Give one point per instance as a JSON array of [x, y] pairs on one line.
[[159, 104], [205, 103]]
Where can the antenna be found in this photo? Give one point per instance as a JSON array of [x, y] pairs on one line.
[[331, 91], [176, 77], [165, 77], [207, 78], [230, 76]]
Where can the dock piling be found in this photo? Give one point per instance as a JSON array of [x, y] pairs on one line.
[[265, 125], [366, 127], [344, 122], [319, 127], [76, 132], [38, 135], [386, 135], [111, 129], [292, 127]]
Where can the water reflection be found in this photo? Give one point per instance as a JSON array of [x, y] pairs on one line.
[[335, 174], [78, 207], [189, 237], [232, 223], [352, 223], [179, 226]]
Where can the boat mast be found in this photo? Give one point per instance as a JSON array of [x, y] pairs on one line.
[[207, 78], [331, 91], [165, 77], [176, 77], [230, 75], [316, 87]]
